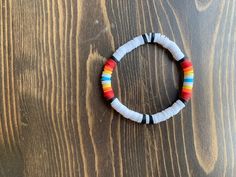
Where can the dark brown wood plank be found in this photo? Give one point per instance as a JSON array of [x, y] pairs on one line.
[[53, 119]]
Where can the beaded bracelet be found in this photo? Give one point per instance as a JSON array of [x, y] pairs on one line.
[[185, 64]]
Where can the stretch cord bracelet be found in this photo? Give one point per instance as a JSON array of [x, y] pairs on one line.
[[185, 64]]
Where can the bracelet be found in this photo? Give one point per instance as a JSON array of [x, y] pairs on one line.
[[185, 93]]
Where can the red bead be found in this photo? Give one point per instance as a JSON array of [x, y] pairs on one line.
[[108, 95], [186, 95], [186, 63], [111, 63]]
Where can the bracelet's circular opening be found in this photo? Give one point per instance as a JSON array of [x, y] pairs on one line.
[[148, 79]]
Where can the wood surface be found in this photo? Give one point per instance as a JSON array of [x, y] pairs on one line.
[[54, 121]]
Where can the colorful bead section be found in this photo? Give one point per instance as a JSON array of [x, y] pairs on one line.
[[176, 107], [187, 68], [106, 79]]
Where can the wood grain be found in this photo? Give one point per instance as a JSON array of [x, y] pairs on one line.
[[53, 119]]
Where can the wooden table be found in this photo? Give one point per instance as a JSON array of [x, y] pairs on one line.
[[53, 119]]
